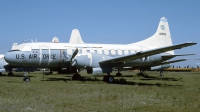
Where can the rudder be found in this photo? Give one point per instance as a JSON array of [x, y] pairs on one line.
[[161, 38], [75, 37]]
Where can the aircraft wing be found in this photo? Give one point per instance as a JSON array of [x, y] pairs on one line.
[[141, 54]]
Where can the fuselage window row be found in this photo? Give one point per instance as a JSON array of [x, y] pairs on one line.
[[104, 52]]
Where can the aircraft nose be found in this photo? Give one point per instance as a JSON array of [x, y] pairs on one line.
[[10, 57]]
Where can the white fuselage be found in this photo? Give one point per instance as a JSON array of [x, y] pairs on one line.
[[51, 54]]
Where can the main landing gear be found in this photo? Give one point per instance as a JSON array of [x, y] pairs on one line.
[[10, 74], [76, 76], [161, 72], [118, 74], [108, 78]]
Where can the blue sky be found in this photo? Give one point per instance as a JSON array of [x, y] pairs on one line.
[[99, 21]]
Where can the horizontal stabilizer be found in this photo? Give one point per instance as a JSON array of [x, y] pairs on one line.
[[172, 56], [174, 61]]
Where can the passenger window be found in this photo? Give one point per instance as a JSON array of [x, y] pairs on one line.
[[119, 52], [132, 51], [91, 51], [106, 52], [99, 51], [113, 52], [125, 51], [95, 51], [80, 51]]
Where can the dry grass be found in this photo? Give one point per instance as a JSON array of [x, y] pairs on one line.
[[173, 92]]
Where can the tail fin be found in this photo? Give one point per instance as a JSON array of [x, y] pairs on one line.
[[161, 38], [75, 37]]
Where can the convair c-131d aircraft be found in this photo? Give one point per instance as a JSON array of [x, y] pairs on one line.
[[99, 58]]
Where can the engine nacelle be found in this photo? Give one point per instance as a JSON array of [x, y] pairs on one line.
[[161, 67], [98, 70], [90, 60]]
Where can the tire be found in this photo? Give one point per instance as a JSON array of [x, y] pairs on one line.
[[26, 79], [76, 77], [10, 74], [110, 79], [118, 74]]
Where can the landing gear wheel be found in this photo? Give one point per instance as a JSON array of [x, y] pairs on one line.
[[118, 74], [1, 73], [10, 74], [161, 73], [108, 79], [76, 77], [26, 79]]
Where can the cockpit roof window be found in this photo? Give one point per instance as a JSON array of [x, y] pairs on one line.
[[26, 48]]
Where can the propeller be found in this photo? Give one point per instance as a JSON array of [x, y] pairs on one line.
[[65, 54], [72, 63]]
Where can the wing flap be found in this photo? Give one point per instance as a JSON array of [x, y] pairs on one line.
[[173, 61]]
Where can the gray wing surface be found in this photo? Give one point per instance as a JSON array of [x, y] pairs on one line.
[[146, 53], [173, 61]]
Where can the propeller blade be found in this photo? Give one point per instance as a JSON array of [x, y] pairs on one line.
[[74, 62], [74, 53], [65, 54]]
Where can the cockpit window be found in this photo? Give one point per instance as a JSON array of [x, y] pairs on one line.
[[13, 50], [26, 48]]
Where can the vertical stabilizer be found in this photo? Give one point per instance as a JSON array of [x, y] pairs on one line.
[[161, 38], [75, 37]]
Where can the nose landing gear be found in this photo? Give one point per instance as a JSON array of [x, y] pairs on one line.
[[26, 78]]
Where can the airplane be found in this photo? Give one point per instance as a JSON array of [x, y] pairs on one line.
[[3, 64], [98, 58]]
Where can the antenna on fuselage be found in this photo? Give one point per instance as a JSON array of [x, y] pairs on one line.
[[25, 40]]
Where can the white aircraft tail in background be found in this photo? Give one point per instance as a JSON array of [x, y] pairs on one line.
[[55, 40], [75, 37]]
